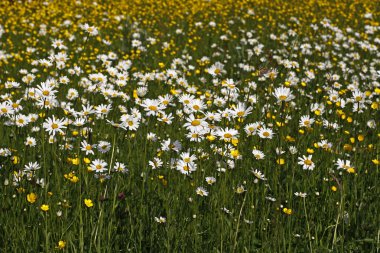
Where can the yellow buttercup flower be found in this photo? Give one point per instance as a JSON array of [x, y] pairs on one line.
[[44, 207], [61, 244], [31, 197], [88, 202]]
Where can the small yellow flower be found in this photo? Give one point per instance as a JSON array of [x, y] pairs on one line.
[[15, 159], [280, 161], [75, 161], [86, 160], [235, 153], [310, 150], [74, 179], [210, 137], [287, 211], [347, 147], [360, 137], [31, 197], [88, 202], [333, 188], [61, 244], [45, 207], [235, 142]]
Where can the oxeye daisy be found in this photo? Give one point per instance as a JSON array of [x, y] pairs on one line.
[[129, 122], [252, 128], [344, 164], [258, 174], [283, 94], [32, 166], [103, 146], [259, 155], [98, 166], [156, 163], [242, 110], [120, 167], [227, 134], [6, 108], [152, 107], [186, 168], [265, 133], [210, 180], [53, 125], [201, 191], [306, 162], [195, 124], [30, 141], [306, 121], [87, 148]]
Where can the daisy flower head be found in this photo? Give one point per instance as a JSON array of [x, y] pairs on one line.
[[103, 146], [54, 125], [32, 166], [216, 69], [152, 107], [252, 128], [201, 191], [265, 133], [87, 148], [120, 167], [129, 122], [195, 124], [30, 141], [227, 134], [259, 155], [306, 162], [283, 94], [344, 164], [258, 174], [306, 121], [98, 165], [156, 163], [91, 30], [186, 168], [210, 180], [242, 110]]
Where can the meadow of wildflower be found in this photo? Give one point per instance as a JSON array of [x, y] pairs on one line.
[[189, 126]]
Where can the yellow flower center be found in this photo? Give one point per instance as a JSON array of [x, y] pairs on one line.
[[153, 108], [240, 114], [54, 125], [227, 135], [196, 122], [308, 162]]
